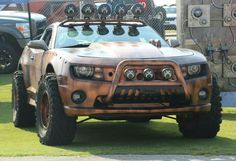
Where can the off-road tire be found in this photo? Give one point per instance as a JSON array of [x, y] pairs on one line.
[[60, 129], [203, 125], [13, 53], [23, 113]]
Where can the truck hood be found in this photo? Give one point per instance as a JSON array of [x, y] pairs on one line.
[[21, 15], [124, 50]]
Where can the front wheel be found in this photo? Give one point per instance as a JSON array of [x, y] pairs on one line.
[[54, 127], [203, 125]]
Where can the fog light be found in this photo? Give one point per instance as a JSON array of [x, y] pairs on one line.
[[78, 97], [203, 94]]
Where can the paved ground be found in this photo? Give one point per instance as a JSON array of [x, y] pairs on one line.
[[125, 158]]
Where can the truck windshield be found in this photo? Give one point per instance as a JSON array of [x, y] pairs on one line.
[[80, 36]]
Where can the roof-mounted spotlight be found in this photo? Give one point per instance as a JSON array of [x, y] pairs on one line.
[[121, 11], [88, 11], [70, 11], [137, 10], [104, 11]]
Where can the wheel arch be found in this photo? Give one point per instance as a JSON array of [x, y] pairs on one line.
[[19, 67], [50, 69], [11, 38]]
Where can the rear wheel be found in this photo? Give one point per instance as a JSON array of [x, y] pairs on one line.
[[54, 127], [9, 58], [203, 125], [23, 113]]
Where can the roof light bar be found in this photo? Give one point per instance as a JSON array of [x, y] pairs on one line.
[[121, 11], [137, 10], [104, 11], [70, 11], [88, 11]]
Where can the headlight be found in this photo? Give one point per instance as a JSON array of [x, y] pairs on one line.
[[194, 69], [87, 72], [83, 71], [24, 29]]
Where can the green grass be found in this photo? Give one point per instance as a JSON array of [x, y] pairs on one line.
[[113, 137]]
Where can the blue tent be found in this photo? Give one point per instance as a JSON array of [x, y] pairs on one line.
[[13, 1]]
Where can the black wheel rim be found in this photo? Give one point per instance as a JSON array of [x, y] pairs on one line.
[[44, 111], [5, 59]]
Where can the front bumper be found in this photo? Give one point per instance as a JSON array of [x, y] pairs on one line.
[[101, 96], [75, 111]]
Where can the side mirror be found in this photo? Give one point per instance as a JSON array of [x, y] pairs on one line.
[[38, 44], [174, 43]]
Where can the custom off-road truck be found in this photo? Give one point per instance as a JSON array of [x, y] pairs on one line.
[[111, 69], [14, 36]]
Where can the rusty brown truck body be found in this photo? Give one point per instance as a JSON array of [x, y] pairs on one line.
[[123, 71]]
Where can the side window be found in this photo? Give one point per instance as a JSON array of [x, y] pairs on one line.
[[47, 36]]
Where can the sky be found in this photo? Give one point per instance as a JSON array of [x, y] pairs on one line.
[[163, 2]]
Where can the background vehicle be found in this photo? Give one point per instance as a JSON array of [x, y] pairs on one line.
[[111, 69], [170, 23], [15, 34]]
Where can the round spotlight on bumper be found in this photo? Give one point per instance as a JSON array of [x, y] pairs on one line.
[[203, 94], [149, 74], [78, 97], [167, 73], [130, 74]]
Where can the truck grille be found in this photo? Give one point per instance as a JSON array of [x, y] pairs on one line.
[[148, 94]]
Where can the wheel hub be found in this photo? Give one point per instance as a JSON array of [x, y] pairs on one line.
[[44, 109], [5, 59]]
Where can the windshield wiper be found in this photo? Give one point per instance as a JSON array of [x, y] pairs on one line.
[[78, 46]]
